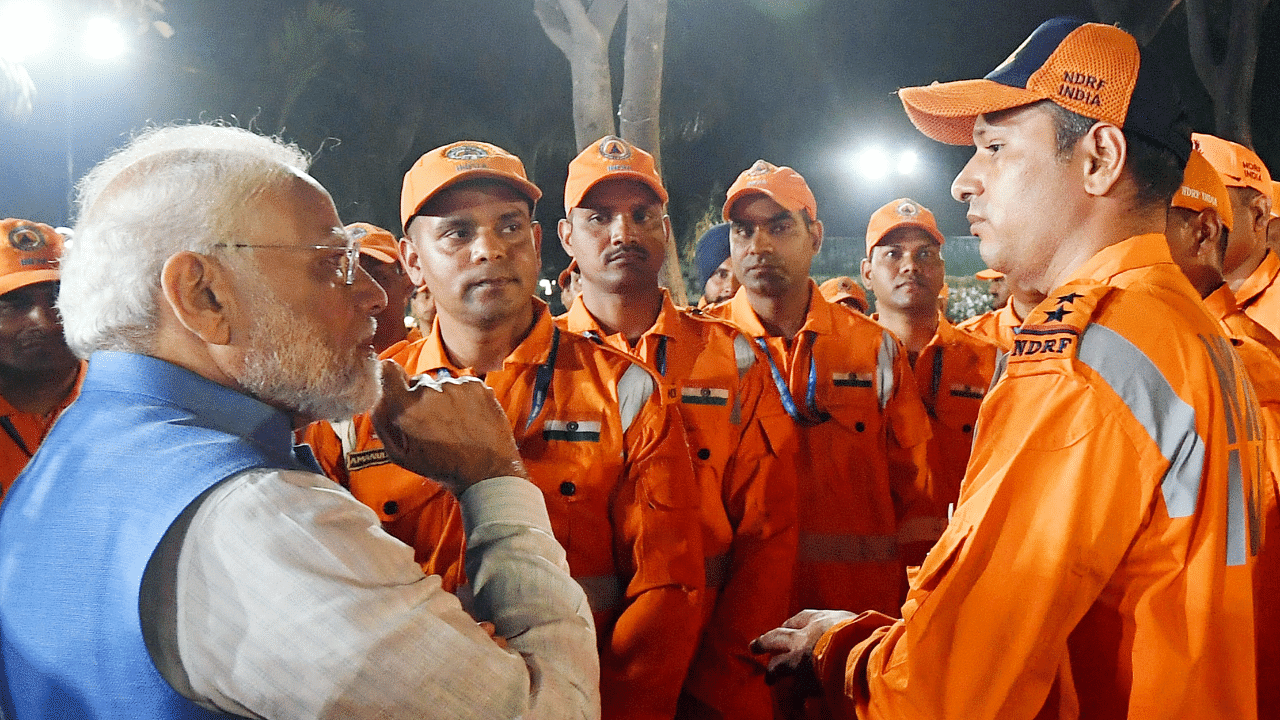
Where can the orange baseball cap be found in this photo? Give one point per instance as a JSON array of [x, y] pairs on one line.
[[455, 162], [903, 212], [1202, 188], [988, 274], [784, 185], [1091, 69], [375, 242], [844, 288], [608, 158], [29, 254], [1238, 165]]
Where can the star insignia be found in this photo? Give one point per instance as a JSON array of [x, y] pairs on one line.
[[1069, 298], [1058, 314]]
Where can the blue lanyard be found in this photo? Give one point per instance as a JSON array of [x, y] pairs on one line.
[[811, 415]]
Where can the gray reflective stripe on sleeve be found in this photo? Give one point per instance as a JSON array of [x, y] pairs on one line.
[[1002, 364], [743, 355], [1220, 354], [1169, 420], [604, 592], [1237, 549], [885, 359], [717, 569], [848, 548], [634, 390]]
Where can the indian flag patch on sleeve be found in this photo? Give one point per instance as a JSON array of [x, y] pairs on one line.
[[704, 396], [968, 391], [862, 380], [572, 430]]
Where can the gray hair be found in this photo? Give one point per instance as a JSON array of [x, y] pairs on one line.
[[169, 190]]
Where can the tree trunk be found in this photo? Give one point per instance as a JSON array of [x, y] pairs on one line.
[[582, 33], [1227, 72], [640, 110], [1141, 19]]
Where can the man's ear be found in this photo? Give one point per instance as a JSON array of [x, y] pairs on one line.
[[1206, 237], [198, 291], [1105, 152], [564, 229], [412, 262], [815, 230], [1259, 213], [536, 227]]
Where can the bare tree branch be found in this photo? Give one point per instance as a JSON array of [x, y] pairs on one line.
[[554, 23], [604, 15], [1229, 81], [1141, 19]]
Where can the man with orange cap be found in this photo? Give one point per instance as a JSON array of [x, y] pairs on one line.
[[905, 270], [1273, 227], [1250, 269], [591, 425], [615, 228], [380, 257], [845, 382], [1200, 217], [999, 325], [844, 290], [998, 288], [1099, 563], [39, 376]]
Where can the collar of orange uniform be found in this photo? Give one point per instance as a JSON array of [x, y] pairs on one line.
[[579, 320], [1137, 251], [1221, 302], [1259, 280], [428, 355], [1007, 317], [817, 321]]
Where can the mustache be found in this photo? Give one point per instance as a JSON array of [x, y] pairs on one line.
[[627, 250]]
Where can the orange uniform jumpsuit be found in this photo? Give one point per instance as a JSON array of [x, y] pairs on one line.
[[737, 433], [1099, 564], [23, 432], [996, 326], [861, 467], [610, 458], [1259, 295], [952, 373], [1258, 350]]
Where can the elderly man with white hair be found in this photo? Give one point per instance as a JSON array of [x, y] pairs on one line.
[[169, 553]]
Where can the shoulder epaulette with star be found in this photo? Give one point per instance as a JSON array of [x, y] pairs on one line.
[[1053, 329]]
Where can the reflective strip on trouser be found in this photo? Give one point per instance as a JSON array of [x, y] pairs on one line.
[[604, 592], [717, 567], [1167, 418], [848, 548], [921, 529]]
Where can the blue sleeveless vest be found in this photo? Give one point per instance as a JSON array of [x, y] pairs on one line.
[[144, 439]]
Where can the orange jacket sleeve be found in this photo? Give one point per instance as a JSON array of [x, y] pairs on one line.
[[1042, 558], [759, 496], [659, 544]]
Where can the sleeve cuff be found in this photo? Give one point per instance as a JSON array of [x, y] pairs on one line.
[[507, 500]]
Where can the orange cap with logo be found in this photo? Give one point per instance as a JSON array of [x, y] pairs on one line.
[[784, 185], [1091, 69], [29, 254], [844, 288], [988, 274], [455, 162], [375, 242], [903, 212], [1238, 165], [610, 158], [1202, 188]]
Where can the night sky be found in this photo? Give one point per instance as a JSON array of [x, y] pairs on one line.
[[805, 83]]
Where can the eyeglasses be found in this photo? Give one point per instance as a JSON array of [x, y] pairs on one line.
[[347, 264]]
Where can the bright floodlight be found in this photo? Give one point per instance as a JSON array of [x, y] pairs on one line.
[[907, 162], [873, 163], [546, 286], [103, 39], [28, 30]]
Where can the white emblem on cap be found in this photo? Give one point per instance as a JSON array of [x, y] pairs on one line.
[[466, 152], [908, 209], [760, 168], [614, 148]]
